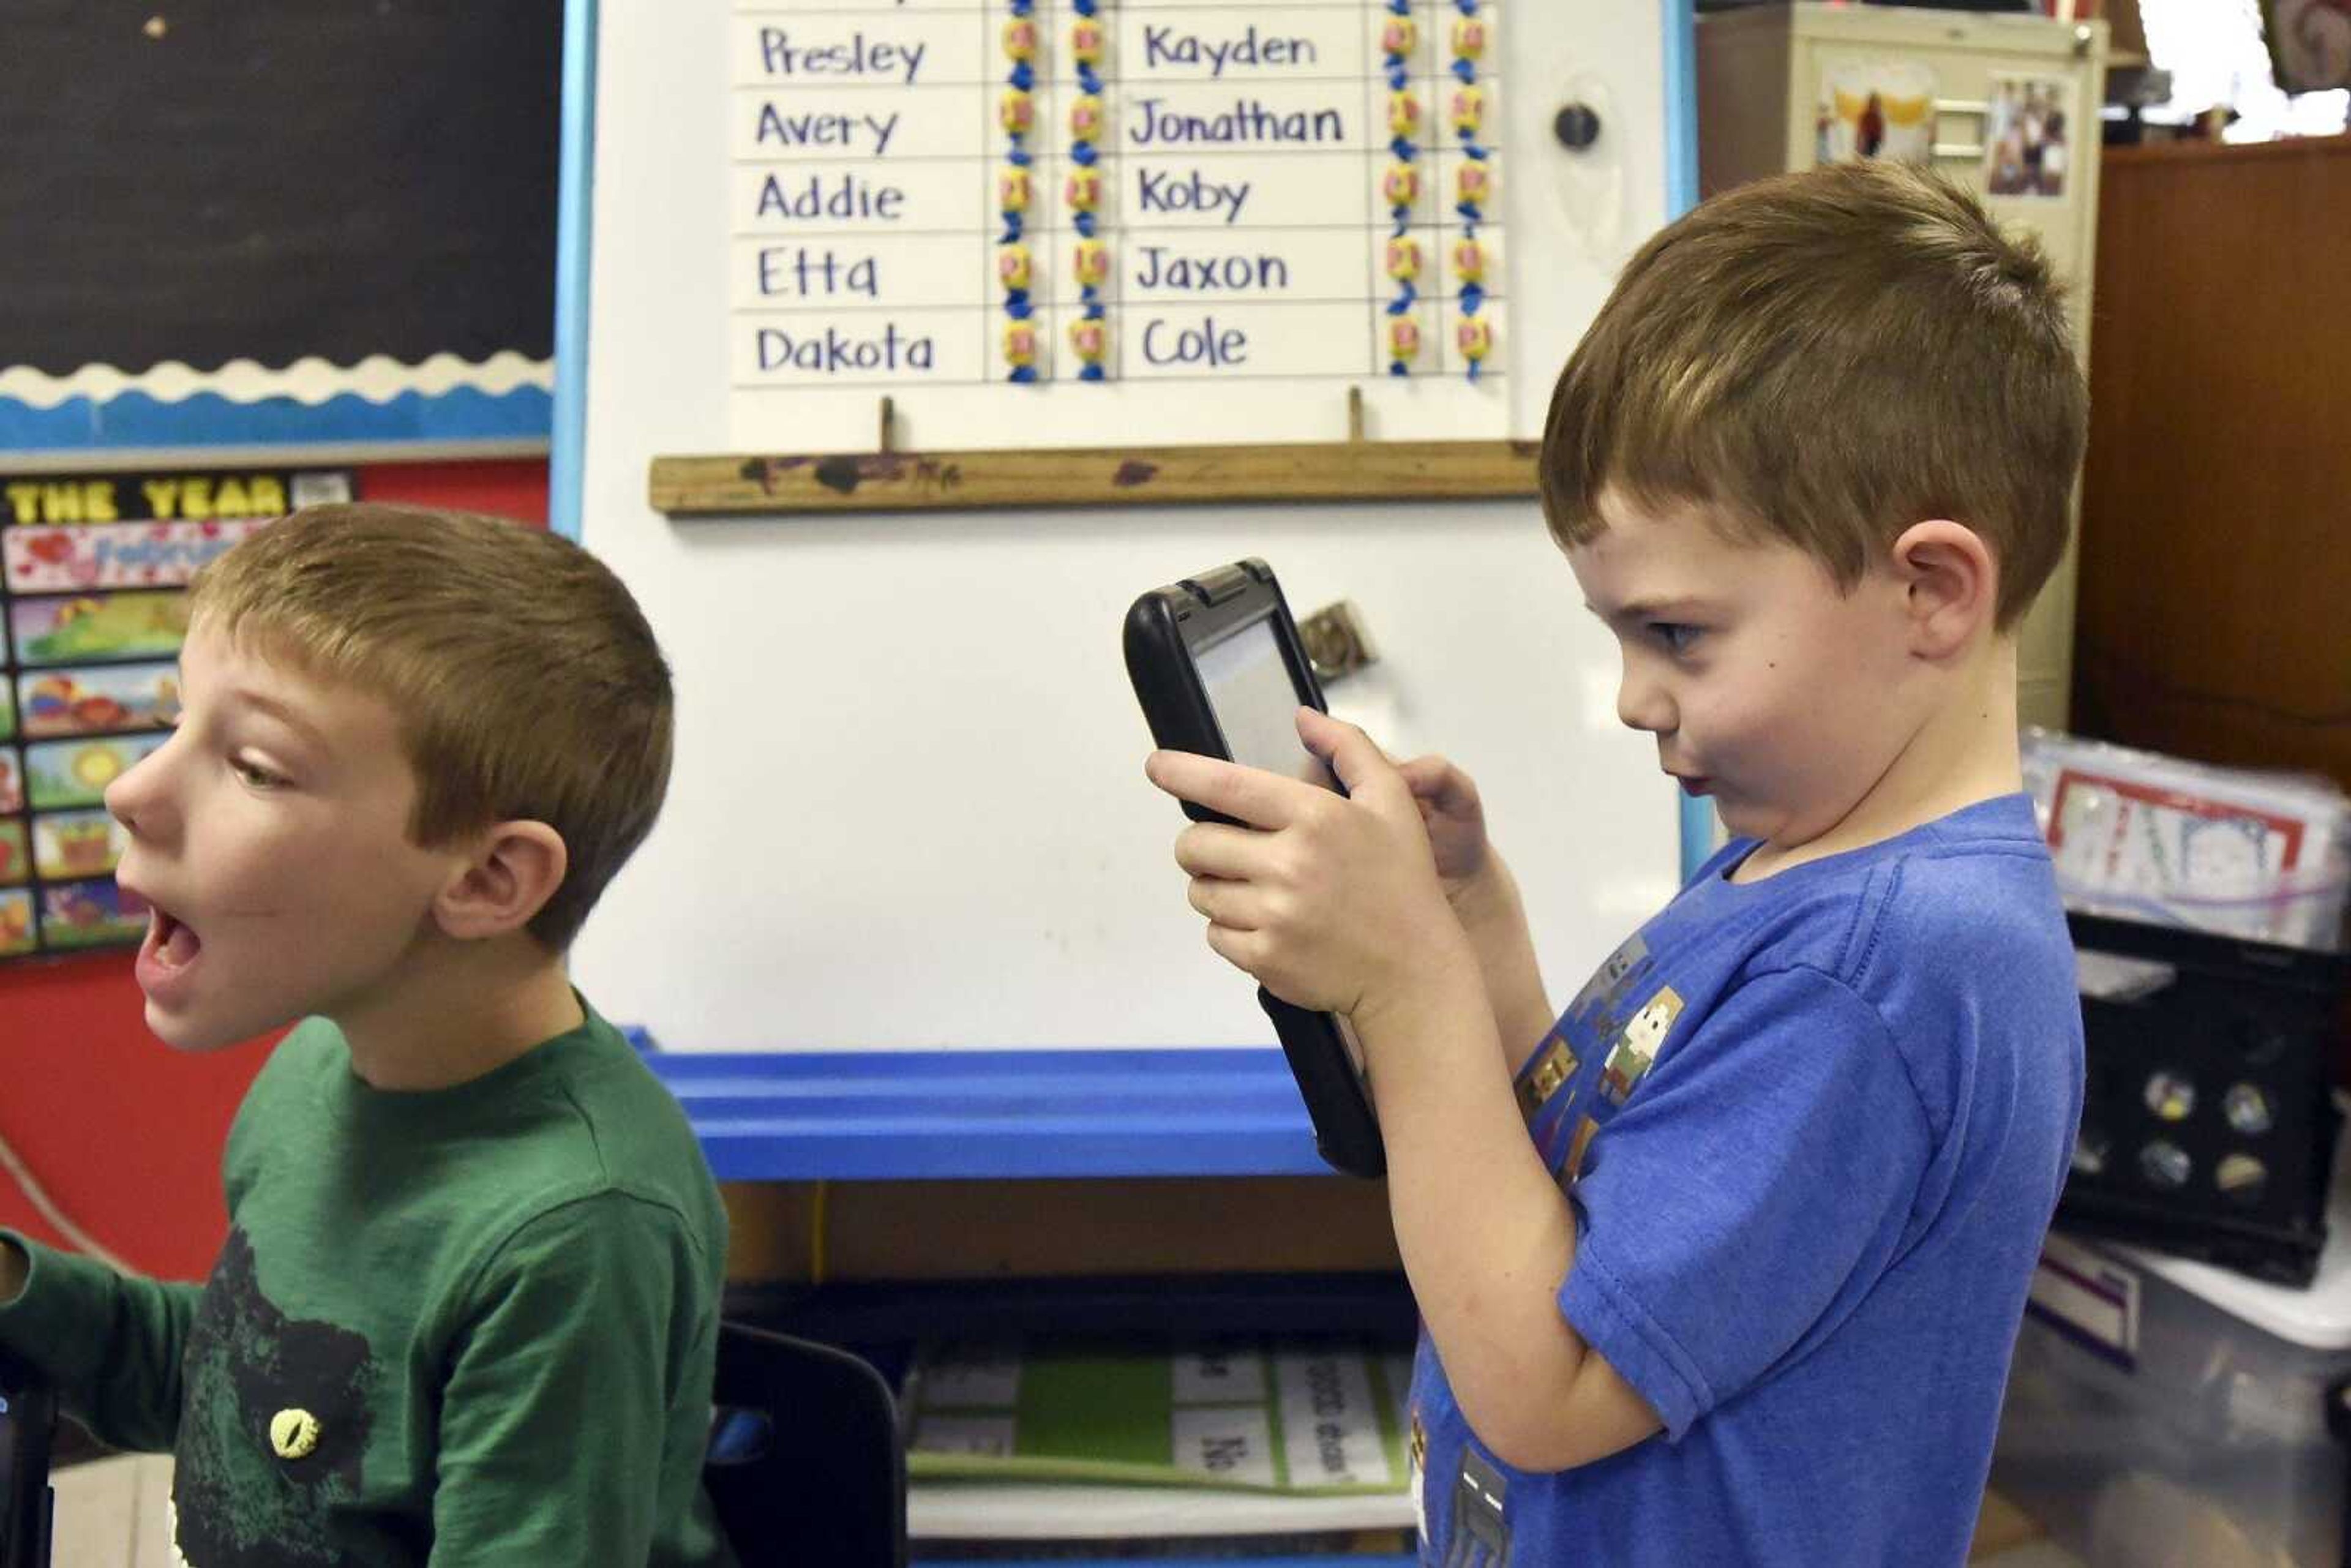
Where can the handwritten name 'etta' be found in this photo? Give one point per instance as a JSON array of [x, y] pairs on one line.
[[807, 272]]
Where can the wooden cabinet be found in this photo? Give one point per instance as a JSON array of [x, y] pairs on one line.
[[2215, 616]]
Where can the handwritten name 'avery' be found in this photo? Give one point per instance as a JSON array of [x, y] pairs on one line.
[[780, 56], [825, 129], [1165, 47]]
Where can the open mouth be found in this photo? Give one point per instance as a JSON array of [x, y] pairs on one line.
[[172, 947], [176, 942]]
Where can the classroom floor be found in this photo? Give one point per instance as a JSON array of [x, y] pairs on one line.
[[111, 1513]]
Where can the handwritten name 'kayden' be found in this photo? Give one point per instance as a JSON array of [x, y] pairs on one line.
[[1249, 122], [1165, 46]]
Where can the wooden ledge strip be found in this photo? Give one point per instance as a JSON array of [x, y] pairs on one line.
[[1163, 475]]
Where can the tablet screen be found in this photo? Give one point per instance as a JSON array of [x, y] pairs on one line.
[[1256, 704]]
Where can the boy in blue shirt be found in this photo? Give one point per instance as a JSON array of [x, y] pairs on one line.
[[1724, 1263]]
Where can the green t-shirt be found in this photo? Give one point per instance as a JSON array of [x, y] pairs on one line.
[[459, 1326]]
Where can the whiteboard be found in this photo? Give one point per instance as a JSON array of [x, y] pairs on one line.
[[908, 808]]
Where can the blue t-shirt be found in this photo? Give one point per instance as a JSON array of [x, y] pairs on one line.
[[1813, 1128]]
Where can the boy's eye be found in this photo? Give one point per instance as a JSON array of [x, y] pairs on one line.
[[258, 777], [1677, 637]]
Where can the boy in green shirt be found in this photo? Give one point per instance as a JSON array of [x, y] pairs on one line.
[[467, 1309]]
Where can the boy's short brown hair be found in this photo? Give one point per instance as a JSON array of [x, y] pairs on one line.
[[1827, 358], [525, 679]]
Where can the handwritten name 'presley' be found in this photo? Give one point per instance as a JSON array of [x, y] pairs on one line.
[[860, 56]]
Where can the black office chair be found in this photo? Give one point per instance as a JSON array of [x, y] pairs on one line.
[[805, 1468], [28, 1414]]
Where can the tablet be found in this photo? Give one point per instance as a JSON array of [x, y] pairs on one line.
[[1219, 670]]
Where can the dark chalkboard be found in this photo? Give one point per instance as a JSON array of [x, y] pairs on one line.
[[202, 181]]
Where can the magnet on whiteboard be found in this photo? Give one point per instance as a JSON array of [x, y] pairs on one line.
[[1469, 37], [1403, 112], [1468, 108], [1012, 266], [1469, 259], [1082, 190], [1399, 36], [1012, 190], [1404, 339], [1020, 344], [1474, 337], [1090, 262], [1086, 41], [1403, 258], [1337, 642], [1086, 117], [1020, 39], [1018, 113], [1401, 184]]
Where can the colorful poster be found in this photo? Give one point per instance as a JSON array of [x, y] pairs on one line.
[[98, 700], [2028, 125], [69, 845], [115, 555], [60, 775], [97, 914], [1877, 108], [98, 626], [16, 936], [94, 570]]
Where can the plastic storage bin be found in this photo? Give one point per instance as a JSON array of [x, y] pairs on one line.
[[2166, 1414]]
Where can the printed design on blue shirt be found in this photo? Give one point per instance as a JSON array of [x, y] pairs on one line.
[[1595, 1056]]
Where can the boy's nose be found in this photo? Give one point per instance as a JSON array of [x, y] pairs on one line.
[[1643, 705], [133, 799]]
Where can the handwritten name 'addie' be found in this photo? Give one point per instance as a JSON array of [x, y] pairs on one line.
[[860, 56], [1169, 46]]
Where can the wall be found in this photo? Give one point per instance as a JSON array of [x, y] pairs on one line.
[[124, 1133]]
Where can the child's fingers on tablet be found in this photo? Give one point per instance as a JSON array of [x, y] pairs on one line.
[[1353, 756], [1219, 849], [1236, 905], [1246, 794]]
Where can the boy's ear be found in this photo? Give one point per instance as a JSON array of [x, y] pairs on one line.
[[514, 869], [1951, 582]]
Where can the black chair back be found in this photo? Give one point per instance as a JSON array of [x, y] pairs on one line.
[[28, 1413], [805, 1467]]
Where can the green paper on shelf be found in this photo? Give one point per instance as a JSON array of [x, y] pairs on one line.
[[1300, 1418]]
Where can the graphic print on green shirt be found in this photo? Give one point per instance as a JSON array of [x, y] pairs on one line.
[[246, 1364]]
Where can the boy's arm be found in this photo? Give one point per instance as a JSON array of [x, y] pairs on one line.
[[557, 1405], [108, 1343], [1495, 920], [1485, 899], [1487, 1237], [1338, 903]]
